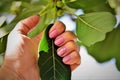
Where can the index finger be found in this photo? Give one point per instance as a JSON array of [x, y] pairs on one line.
[[25, 25], [56, 29]]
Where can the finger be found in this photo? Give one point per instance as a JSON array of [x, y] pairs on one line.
[[56, 29], [72, 58], [74, 66], [67, 48], [24, 26], [65, 37]]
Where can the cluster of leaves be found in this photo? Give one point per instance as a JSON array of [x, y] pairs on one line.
[[95, 28]]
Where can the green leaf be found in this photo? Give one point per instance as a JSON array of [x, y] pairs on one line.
[[107, 49], [115, 4], [90, 5], [0, 46], [1, 59], [5, 5], [44, 21], [92, 27], [6, 29], [3, 43], [2, 20], [24, 14], [47, 15], [118, 62], [51, 65], [43, 46]]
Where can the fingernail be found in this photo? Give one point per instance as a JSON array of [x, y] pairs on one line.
[[58, 41], [67, 59], [61, 51], [53, 34]]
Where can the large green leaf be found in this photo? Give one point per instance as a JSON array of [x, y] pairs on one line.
[[89, 5], [93, 27], [107, 49], [51, 65]]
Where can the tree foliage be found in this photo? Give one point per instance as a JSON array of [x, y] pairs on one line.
[[95, 28]]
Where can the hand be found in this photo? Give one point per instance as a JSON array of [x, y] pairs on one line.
[[22, 52], [66, 41]]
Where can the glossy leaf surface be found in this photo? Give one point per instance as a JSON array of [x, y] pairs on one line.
[[92, 27], [51, 65]]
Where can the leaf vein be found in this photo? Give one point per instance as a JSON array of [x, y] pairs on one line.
[[91, 26]]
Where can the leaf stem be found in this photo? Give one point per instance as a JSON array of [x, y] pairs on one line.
[[44, 10]]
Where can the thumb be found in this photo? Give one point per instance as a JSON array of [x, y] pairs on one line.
[[25, 25]]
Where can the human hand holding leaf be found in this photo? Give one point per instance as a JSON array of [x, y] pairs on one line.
[[51, 65]]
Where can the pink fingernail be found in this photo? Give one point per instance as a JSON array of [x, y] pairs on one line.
[[53, 34], [61, 51], [59, 41], [66, 59]]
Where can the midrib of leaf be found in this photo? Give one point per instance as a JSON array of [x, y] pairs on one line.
[[53, 58], [89, 24]]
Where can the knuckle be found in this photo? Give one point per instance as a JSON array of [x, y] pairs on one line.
[[69, 33], [72, 45], [61, 25], [76, 55]]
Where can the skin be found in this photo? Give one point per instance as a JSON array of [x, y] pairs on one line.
[[21, 57]]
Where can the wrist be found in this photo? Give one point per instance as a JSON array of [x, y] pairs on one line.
[[13, 73], [7, 74]]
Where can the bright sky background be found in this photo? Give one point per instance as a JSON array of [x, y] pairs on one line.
[[89, 68]]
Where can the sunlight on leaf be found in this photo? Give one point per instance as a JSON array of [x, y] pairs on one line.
[[6, 29], [43, 46], [2, 20], [92, 27]]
